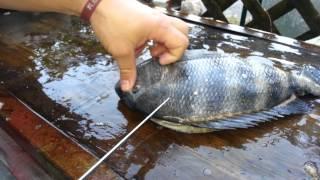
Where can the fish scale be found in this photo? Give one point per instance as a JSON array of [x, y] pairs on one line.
[[214, 91]]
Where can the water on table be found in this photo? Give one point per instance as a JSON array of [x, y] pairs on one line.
[[55, 64]]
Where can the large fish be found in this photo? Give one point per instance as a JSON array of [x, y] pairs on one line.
[[213, 91]]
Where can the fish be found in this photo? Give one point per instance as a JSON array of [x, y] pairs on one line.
[[211, 91]]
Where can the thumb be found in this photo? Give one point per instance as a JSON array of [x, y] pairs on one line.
[[127, 68]]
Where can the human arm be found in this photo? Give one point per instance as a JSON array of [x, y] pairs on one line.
[[122, 26], [72, 7]]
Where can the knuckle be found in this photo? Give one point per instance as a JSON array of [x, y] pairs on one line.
[[164, 23], [126, 71]]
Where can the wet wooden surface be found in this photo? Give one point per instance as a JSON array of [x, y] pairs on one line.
[[15, 162], [31, 148], [55, 65]]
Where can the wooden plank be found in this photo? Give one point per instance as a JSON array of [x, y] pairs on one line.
[[56, 153], [16, 163], [179, 162], [275, 12], [309, 13], [214, 10], [263, 21], [249, 32], [280, 9], [307, 35], [225, 4]]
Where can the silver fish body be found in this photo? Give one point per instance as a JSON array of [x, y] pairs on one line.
[[210, 91]]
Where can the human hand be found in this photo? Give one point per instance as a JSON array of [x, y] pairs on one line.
[[124, 27]]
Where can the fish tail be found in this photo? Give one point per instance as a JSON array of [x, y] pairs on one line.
[[306, 80]]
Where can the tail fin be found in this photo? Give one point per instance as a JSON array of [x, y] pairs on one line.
[[306, 80]]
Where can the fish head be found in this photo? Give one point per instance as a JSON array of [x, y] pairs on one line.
[[149, 73], [127, 97], [130, 98]]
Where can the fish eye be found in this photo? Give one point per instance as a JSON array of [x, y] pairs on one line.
[[136, 88]]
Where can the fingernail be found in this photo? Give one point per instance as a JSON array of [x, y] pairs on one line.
[[125, 85]]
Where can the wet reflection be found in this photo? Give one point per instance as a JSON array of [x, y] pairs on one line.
[[283, 49], [58, 67]]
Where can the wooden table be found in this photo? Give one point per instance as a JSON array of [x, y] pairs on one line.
[[55, 65]]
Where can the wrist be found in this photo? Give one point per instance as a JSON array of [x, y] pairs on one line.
[[102, 7], [89, 8], [110, 9]]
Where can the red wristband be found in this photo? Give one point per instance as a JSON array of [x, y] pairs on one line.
[[88, 9]]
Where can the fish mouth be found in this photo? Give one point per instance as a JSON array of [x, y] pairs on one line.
[[118, 90], [126, 97]]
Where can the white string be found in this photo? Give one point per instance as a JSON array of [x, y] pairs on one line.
[[122, 141]]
